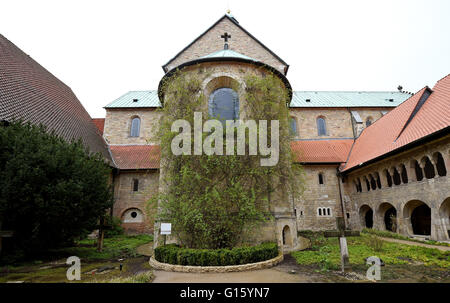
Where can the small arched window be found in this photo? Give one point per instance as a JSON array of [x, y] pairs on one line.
[[321, 127], [293, 126], [224, 104], [321, 179], [369, 121], [135, 127]]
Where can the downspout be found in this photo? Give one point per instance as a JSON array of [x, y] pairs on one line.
[[344, 213], [353, 123]]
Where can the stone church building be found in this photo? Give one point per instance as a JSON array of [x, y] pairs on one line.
[[378, 159]]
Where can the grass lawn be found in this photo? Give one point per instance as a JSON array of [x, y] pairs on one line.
[[51, 267], [325, 255]]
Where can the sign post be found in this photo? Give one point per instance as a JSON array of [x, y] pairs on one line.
[[166, 229]]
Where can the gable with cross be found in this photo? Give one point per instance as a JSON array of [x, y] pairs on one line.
[[225, 37]]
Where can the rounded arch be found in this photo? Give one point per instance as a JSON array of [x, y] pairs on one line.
[[440, 164], [135, 126], [132, 215], [388, 177], [321, 126], [287, 236], [428, 167], [388, 213], [417, 217], [417, 169], [396, 177], [219, 80], [403, 174], [366, 216], [444, 216]]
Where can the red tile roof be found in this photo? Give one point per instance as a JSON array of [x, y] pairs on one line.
[[29, 92], [321, 151], [409, 122], [100, 124], [136, 156]]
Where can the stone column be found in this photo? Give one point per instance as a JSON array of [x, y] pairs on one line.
[[436, 229], [383, 179]]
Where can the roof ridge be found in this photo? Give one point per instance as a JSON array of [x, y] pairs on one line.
[[442, 78]]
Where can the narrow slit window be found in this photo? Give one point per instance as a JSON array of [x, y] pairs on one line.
[[135, 185]]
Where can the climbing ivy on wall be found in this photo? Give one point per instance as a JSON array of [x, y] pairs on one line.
[[219, 201]]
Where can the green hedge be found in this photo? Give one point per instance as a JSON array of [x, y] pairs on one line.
[[174, 254]]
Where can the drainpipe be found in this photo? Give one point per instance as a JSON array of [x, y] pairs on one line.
[[344, 214]]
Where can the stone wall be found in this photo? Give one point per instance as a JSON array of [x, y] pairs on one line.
[[324, 196], [239, 42], [339, 122], [118, 125], [126, 199], [405, 196]]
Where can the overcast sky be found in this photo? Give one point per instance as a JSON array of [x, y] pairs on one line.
[[102, 49]]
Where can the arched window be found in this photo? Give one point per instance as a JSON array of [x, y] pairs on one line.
[[429, 168], [378, 180], [404, 174], [224, 104], [293, 126], [418, 170], [321, 178], [369, 121], [388, 178], [135, 127], [396, 177], [440, 164], [321, 127], [367, 184]]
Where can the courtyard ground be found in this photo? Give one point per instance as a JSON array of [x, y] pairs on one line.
[[404, 262]]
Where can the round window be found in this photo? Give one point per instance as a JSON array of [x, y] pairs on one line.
[[133, 214]]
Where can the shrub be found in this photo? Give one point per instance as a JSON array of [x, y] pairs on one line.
[[52, 192], [174, 254], [375, 243]]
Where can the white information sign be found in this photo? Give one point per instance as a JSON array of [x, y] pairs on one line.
[[166, 228]]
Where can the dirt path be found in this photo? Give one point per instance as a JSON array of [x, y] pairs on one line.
[[443, 248], [278, 274]]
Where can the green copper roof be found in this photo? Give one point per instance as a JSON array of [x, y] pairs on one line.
[[347, 99], [148, 98], [299, 99], [228, 53]]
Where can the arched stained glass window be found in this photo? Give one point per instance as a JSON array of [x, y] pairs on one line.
[[135, 127], [321, 127], [293, 125], [224, 104]]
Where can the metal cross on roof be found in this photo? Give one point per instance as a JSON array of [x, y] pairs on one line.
[[225, 36]]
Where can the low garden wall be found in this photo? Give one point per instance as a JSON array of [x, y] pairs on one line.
[[174, 258], [218, 269]]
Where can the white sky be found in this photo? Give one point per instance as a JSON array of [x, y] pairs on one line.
[[102, 49]]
